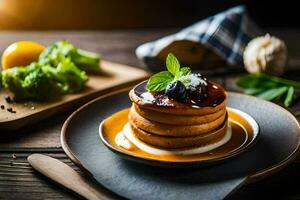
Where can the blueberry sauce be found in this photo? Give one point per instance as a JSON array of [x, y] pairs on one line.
[[213, 95]]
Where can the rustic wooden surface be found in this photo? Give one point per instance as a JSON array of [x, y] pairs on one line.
[[19, 181]]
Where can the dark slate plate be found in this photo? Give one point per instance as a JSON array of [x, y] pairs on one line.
[[277, 146]]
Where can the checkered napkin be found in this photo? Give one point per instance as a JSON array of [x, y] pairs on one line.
[[226, 34]]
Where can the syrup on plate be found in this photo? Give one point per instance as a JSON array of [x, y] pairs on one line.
[[242, 135]]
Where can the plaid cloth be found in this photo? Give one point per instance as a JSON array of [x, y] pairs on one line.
[[226, 34]]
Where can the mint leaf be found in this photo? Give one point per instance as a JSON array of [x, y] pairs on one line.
[[173, 65], [289, 97], [185, 71], [158, 82]]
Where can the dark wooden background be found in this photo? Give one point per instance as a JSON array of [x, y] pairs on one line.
[[19, 181]]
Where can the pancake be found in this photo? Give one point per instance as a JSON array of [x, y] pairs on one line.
[[173, 130], [180, 142], [198, 120], [173, 119]]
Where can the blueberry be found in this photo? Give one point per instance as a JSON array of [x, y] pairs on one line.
[[176, 91]]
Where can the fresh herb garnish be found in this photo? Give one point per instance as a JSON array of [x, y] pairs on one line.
[[185, 71], [173, 65], [289, 96], [269, 87], [158, 82]]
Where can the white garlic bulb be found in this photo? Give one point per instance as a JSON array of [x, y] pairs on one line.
[[266, 54]]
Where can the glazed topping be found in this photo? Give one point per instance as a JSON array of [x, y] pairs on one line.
[[178, 86], [215, 95]]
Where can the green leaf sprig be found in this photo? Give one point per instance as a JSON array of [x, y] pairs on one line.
[[158, 82], [271, 88]]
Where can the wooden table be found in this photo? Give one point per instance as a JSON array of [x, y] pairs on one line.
[[19, 181]]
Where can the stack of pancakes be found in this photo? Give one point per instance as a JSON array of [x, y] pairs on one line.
[[179, 126]]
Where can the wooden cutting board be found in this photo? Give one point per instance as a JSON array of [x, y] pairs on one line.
[[113, 77]]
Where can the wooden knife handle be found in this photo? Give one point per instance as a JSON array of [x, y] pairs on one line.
[[64, 175]]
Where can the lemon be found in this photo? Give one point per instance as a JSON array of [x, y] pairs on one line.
[[21, 53]]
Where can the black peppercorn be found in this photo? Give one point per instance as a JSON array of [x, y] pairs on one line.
[[11, 110], [7, 99]]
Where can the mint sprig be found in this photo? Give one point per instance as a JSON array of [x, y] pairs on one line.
[[158, 82]]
